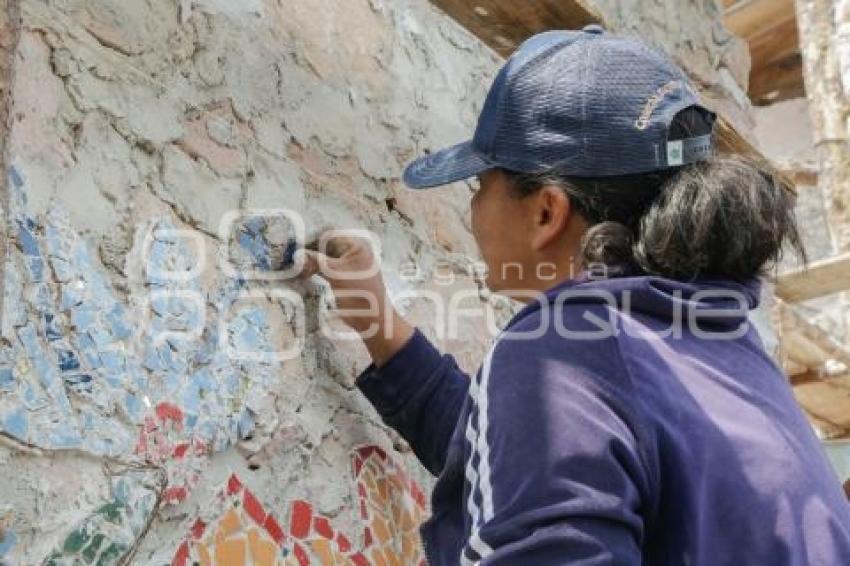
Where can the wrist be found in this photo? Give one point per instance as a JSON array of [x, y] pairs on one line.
[[391, 337]]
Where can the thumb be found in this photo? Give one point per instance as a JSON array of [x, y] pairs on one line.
[[312, 262]]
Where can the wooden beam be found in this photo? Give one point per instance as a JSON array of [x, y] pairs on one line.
[[827, 401], [777, 63], [820, 279], [802, 177], [777, 81], [776, 41], [807, 344], [504, 24], [828, 430], [745, 19]]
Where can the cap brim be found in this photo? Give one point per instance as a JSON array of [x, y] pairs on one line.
[[449, 165]]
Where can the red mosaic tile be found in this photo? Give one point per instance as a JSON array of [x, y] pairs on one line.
[[418, 495], [175, 494], [253, 507], [301, 518], [359, 559], [182, 555], [180, 450], [367, 537], [323, 527], [233, 485], [303, 560], [197, 529], [342, 543], [169, 412], [274, 530]]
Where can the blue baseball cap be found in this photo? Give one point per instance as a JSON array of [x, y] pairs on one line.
[[583, 103]]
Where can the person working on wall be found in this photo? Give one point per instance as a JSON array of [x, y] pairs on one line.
[[628, 413]]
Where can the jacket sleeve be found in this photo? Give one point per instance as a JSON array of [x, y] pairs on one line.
[[557, 470], [420, 393]]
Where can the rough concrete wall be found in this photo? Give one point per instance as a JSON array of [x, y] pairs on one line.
[[145, 415], [692, 31]]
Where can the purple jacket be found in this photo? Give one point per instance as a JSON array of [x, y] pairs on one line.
[[605, 437]]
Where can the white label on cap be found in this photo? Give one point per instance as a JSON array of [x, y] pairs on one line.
[[675, 153]]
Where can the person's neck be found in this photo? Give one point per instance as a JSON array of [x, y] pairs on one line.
[[552, 276]]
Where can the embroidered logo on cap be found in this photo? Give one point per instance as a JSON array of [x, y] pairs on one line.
[[642, 123]]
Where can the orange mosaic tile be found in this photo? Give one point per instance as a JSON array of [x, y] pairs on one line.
[[391, 506]]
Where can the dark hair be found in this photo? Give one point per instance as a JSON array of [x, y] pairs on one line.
[[725, 218]]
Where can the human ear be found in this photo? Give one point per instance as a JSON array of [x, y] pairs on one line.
[[551, 216]]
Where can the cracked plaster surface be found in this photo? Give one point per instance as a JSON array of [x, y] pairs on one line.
[[138, 128]]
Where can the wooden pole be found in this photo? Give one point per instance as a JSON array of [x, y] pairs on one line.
[[825, 43]]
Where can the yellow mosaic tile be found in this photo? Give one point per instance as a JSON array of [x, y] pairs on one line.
[[230, 552]]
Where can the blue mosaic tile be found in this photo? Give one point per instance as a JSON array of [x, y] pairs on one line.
[[101, 337], [7, 379], [51, 330], [87, 349], [246, 425], [35, 265], [134, 406], [41, 298], [8, 540], [68, 360], [114, 361], [251, 239], [82, 317], [15, 177], [34, 397], [289, 254], [79, 382], [27, 239], [28, 337], [66, 437], [191, 398], [151, 358], [72, 295], [62, 269], [16, 424], [116, 317]]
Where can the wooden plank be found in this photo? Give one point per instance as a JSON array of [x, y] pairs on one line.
[[770, 29], [775, 42], [805, 343], [504, 24], [802, 177], [778, 80], [777, 63], [745, 19], [827, 401], [827, 430], [820, 279]]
